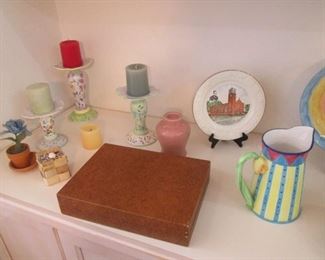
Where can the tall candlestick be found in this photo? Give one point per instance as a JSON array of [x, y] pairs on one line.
[[70, 53], [137, 80], [77, 80]]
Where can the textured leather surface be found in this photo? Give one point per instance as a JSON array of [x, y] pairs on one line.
[[149, 193]]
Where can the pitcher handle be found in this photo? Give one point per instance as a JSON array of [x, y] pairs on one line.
[[241, 184]]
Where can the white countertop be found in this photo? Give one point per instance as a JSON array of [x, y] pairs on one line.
[[225, 228]]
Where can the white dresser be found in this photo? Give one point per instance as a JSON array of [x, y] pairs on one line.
[[33, 228]]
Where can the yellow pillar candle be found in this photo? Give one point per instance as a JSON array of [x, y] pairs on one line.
[[90, 136]]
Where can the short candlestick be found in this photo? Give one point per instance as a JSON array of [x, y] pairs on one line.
[[140, 135], [51, 138]]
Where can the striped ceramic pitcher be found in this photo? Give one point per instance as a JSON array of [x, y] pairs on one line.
[[277, 184]]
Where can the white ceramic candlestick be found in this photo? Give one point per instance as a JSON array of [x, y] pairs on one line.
[[77, 80], [51, 138], [140, 135]]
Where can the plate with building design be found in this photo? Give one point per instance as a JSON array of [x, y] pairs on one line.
[[228, 104]]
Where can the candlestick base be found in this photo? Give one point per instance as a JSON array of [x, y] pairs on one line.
[[51, 138], [141, 140], [88, 114], [60, 140]]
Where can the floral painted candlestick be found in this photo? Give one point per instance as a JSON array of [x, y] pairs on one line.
[[140, 135], [47, 125], [78, 86], [51, 138], [77, 80]]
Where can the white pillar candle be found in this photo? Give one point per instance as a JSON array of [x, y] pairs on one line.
[[39, 97]]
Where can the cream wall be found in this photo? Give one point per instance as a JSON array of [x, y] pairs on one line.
[[29, 37], [183, 42]]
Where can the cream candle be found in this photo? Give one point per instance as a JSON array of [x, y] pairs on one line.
[[90, 136], [137, 80], [39, 97]]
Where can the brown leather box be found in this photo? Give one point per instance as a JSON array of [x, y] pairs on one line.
[[148, 193]]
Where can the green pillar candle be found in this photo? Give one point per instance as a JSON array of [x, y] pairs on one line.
[[137, 80], [39, 97]]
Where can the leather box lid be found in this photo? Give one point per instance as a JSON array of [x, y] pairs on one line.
[[146, 192]]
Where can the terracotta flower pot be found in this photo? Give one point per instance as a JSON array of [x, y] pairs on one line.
[[19, 160]]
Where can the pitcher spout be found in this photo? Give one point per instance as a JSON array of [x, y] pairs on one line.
[[305, 136]]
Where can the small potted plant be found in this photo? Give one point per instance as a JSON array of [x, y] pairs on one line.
[[19, 153]]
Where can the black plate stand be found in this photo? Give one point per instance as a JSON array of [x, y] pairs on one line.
[[239, 141]]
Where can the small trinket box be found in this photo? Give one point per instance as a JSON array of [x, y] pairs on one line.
[[53, 165]]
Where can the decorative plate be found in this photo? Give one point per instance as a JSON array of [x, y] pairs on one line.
[[228, 104], [312, 106]]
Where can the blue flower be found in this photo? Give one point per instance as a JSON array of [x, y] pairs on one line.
[[19, 130], [16, 126]]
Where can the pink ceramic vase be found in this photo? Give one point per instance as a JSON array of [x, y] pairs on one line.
[[173, 133]]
